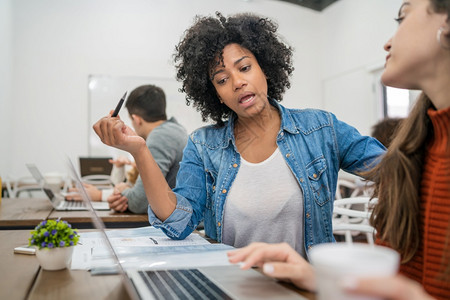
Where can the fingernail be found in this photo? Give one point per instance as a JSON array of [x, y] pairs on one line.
[[349, 283], [268, 268], [242, 265]]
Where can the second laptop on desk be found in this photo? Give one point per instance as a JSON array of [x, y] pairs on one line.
[[95, 166], [57, 200]]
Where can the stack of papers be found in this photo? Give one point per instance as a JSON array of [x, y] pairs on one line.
[[146, 248]]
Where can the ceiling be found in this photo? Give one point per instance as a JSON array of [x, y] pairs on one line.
[[317, 5]]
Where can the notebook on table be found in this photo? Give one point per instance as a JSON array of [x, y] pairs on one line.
[[57, 200], [215, 282]]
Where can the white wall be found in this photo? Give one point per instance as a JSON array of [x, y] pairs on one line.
[[5, 87], [57, 43], [354, 33]]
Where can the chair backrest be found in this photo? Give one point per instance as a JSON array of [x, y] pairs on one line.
[[9, 182], [353, 188], [31, 186], [345, 186], [21, 185], [350, 221]]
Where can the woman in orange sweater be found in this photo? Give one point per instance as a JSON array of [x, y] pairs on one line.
[[413, 178]]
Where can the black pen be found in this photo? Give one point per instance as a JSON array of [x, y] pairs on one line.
[[119, 105]]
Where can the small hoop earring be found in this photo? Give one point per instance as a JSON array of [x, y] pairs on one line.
[[439, 33]]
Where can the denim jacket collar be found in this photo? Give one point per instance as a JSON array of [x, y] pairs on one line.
[[287, 124], [314, 144]]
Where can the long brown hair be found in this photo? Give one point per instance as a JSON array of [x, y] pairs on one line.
[[398, 175], [397, 181]]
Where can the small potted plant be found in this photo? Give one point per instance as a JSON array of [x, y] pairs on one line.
[[54, 241]]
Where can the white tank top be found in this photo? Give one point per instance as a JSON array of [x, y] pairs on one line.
[[264, 204]]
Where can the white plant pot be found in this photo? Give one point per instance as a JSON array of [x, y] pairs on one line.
[[55, 258]]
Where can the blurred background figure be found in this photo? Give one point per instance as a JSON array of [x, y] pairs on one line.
[[165, 138], [385, 129]]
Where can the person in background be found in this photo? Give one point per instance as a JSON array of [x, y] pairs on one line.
[[118, 176], [385, 130], [412, 181], [164, 138], [261, 172], [119, 173]]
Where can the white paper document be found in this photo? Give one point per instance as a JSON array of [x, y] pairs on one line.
[[146, 247]]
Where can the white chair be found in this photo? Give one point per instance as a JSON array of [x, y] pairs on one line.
[[16, 187], [28, 186], [352, 222], [343, 185], [9, 182], [357, 187], [352, 187]]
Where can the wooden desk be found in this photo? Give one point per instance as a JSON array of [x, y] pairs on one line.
[[23, 213], [83, 219], [77, 285], [22, 278], [17, 271], [26, 213]]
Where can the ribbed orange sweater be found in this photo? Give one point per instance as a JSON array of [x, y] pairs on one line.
[[432, 258]]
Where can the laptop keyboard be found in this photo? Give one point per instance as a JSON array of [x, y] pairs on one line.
[[72, 204], [181, 284]]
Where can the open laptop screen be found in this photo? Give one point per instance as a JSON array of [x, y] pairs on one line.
[[100, 226], [95, 166]]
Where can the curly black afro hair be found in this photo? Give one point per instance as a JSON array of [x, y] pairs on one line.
[[203, 44]]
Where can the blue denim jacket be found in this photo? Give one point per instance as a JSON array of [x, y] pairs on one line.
[[314, 144]]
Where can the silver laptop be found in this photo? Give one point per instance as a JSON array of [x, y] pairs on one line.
[[218, 282], [57, 200]]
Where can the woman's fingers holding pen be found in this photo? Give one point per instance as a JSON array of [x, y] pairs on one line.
[[109, 131], [113, 132], [101, 129], [117, 129]]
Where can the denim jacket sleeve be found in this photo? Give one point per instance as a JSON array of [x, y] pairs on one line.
[[356, 152], [190, 194], [316, 146]]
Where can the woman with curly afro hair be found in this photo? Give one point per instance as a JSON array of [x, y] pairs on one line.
[[261, 172], [202, 47]]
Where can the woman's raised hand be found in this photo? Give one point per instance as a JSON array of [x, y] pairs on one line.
[[112, 131]]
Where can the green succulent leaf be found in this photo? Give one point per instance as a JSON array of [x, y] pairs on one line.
[[52, 234]]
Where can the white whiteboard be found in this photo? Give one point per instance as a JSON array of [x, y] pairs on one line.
[[105, 91]]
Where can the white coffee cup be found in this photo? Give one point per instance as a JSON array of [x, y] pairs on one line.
[[334, 262]]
